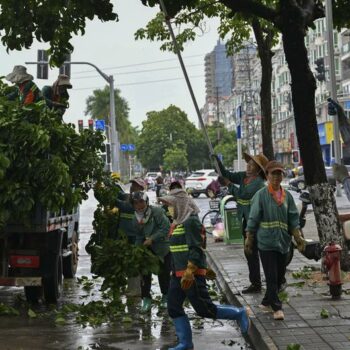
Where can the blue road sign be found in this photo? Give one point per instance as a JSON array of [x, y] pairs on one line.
[[347, 105], [100, 124], [124, 147], [131, 147], [220, 156]]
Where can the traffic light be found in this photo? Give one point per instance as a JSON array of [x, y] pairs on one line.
[[42, 68], [320, 69], [91, 124], [296, 156], [80, 125], [332, 107]]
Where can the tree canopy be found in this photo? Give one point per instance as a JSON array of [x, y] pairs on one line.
[[164, 129], [53, 21], [97, 106]]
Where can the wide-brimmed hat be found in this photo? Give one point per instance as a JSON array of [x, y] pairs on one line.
[[139, 181], [259, 159], [19, 75], [63, 80], [274, 165]]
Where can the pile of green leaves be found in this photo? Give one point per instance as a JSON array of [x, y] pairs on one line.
[[113, 258], [43, 161]]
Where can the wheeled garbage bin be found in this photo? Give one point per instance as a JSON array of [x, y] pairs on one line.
[[232, 224]]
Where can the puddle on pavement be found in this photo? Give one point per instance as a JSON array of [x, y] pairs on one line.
[[146, 332]]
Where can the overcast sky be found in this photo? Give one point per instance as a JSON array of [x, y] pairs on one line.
[[111, 46]]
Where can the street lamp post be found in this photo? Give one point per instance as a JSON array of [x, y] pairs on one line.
[[113, 130]]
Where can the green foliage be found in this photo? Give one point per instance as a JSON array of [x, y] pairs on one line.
[[175, 158], [165, 128], [6, 310], [304, 273], [97, 106], [283, 296], [324, 313], [43, 161], [227, 143], [53, 21], [112, 257], [293, 346]]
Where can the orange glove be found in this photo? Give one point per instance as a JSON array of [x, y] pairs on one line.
[[188, 276]]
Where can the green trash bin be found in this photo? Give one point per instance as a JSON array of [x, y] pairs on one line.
[[232, 224]]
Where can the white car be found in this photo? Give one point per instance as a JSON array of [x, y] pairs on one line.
[[198, 182]]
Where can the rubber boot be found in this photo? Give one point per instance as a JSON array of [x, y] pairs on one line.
[[146, 305], [164, 302], [240, 314], [184, 333]]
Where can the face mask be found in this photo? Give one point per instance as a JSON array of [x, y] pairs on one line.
[[140, 212], [171, 211]]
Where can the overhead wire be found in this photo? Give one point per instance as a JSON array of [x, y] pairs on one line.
[[141, 71], [138, 64], [142, 82]]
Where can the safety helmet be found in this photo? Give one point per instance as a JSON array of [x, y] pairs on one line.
[[115, 176], [139, 196]]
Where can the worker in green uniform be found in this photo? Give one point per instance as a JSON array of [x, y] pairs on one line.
[[249, 182], [56, 96], [27, 92], [152, 228], [189, 272], [273, 220]]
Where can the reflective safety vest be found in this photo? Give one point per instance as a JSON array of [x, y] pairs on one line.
[[274, 224], [243, 201], [180, 250]]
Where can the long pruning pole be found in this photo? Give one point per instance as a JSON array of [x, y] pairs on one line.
[[178, 52]]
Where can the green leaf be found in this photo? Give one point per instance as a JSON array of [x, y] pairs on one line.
[[293, 346], [324, 313], [32, 314]]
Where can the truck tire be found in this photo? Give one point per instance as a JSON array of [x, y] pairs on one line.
[[70, 263], [52, 283], [33, 294]]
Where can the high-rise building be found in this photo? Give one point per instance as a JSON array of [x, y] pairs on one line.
[[218, 82]]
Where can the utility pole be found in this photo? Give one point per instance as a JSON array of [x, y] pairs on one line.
[[217, 115], [113, 130], [333, 82]]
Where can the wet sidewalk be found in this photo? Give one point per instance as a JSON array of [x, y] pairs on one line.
[[312, 319]]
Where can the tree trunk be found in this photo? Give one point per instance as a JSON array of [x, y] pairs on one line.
[[303, 97], [265, 55]]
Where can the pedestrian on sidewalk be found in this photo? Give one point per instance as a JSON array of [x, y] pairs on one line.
[[189, 272], [152, 228], [249, 181], [273, 220]]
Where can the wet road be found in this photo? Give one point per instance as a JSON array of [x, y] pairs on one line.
[[145, 332]]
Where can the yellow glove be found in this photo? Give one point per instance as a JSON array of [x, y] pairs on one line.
[[299, 240], [210, 274], [188, 276], [248, 244]]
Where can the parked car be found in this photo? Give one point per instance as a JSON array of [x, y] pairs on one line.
[[198, 182], [299, 181]]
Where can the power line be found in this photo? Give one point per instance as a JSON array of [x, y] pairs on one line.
[[143, 71], [142, 82], [139, 64]]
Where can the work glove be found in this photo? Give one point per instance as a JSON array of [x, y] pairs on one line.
[[187, 279], [210, 274], [299, 240], [340, 172], [248, 244]]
